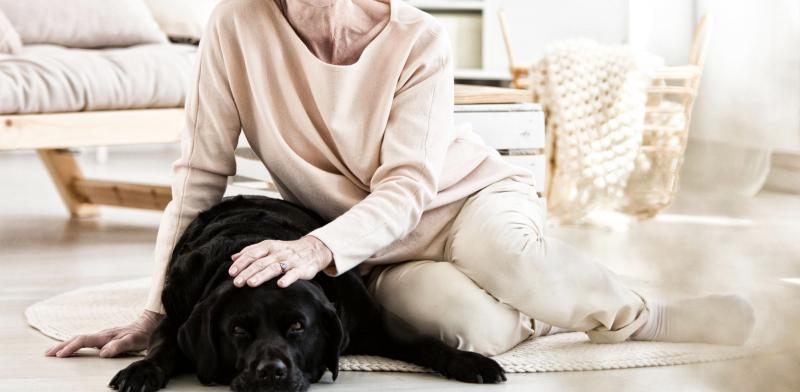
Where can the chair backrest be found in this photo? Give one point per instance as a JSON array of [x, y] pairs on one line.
[[518, 71], [702, 34], [501, 14]]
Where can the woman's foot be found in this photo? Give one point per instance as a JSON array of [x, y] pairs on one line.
[[715, 319]]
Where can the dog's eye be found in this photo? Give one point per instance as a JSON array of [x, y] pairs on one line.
[[297, 327], [239, 330]]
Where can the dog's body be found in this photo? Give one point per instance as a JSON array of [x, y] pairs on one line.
[[269, 338]]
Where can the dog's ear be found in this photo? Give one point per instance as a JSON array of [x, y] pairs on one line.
[[337, 340], [198, 341]]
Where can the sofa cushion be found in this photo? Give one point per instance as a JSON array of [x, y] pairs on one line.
[[47, 78], [9, 39], [83, 23], [182, 19]]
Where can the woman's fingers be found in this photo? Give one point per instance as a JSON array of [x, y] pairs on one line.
[[69, 347], [53, 350], [289, 277], [261, 271], [248, 255], [129, 342]]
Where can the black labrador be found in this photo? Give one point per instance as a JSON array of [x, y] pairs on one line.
[[268, 338]]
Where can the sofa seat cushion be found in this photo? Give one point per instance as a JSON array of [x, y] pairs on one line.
[[49, 79]]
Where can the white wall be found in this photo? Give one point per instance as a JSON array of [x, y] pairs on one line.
[[536, 23], [750, 94]]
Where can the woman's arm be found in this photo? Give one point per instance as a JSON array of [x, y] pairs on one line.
[[415, 143], [417, 136], [208, 141]]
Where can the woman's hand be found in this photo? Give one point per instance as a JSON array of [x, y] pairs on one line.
[[112, 341], [299, 259]]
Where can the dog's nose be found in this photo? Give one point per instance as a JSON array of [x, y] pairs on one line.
[[271, 369]]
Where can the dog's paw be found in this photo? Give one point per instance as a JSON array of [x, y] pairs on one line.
[[475, 368], [140, 376]]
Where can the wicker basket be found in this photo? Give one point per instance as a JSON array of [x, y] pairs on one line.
[[654, 181]]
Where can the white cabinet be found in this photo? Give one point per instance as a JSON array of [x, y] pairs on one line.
[[516, 130], [505, 126]]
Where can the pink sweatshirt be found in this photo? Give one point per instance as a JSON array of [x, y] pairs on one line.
[[370, 146]]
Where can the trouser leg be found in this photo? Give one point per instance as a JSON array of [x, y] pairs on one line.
[[497, 241], [440, 301]]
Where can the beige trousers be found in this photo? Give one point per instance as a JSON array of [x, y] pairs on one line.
[[502, 281]]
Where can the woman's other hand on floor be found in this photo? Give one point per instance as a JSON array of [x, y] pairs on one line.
[[112, 341], [299, 259]]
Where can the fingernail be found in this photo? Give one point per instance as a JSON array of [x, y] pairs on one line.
[[253, 281], [238, 282], [232, 270], [58, 354]]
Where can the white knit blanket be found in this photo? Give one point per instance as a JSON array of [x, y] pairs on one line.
[[94, 308], [594, 96]]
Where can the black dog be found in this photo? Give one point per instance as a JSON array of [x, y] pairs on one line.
[[268, 338]]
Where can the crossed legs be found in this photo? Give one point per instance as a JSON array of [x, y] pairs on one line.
[[500, 272]]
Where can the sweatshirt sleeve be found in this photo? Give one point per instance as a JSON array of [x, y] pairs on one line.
[[417, 135], [208, 140]]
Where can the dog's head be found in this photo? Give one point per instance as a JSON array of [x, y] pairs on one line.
[[264, 338]]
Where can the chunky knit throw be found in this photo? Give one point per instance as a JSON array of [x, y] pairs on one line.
[[595, 97]]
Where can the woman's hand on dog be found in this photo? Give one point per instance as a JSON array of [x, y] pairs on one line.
[[299, 259], [112, 341]]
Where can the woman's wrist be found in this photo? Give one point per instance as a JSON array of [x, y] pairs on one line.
[[324, 253], [150, 319]]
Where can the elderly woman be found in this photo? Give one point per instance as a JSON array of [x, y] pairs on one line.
[[349, 105]]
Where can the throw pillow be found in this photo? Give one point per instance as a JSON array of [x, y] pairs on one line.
[[182, 20], [9, 39], [83, 23]]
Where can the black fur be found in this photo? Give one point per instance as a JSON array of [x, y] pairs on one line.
[[249, 337]]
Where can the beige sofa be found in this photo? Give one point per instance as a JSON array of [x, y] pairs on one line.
[[89, 73], [54, 98]]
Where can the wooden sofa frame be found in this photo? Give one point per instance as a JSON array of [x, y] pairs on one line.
[[53, 135]]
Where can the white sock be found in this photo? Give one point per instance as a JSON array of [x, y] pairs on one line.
[[715, 319]]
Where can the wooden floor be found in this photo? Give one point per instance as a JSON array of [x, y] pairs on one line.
[[704, 244]]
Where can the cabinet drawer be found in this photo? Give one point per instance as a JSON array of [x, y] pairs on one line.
[[506, 130], [535, 163]]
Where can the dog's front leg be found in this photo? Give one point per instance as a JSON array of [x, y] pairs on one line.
[[392, 337], [161, 362]]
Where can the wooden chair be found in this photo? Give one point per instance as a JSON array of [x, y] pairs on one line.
[[651, 190]]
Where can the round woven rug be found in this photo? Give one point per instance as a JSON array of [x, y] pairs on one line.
[[94, 308]]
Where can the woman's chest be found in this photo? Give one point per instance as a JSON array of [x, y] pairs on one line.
[[332, 126]]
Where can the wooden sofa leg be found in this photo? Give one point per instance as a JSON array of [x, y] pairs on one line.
[[65, 172]]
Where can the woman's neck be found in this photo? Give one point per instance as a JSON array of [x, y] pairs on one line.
[[336, 31]]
